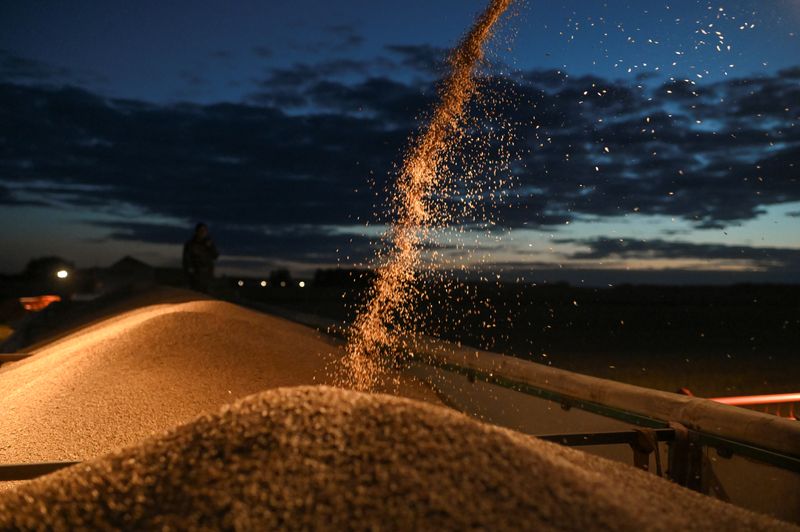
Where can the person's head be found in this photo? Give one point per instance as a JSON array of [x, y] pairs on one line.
[[201, 230]]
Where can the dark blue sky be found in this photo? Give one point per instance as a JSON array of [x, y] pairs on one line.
[[214, 51], [122, 123]]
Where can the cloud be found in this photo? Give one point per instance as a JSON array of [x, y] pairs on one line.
[[618, 248], [287, 87], [18, 68], [10, 199], [15, 68], [667, 154], [333, 38], [388, 101], [288, 84], [422, 58], [192, 78], [288, 243], [302, 151], [225, 162], [303, 74], [346, 36]]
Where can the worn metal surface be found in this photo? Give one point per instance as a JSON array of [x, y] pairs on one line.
[[29, 471], [730, 429]]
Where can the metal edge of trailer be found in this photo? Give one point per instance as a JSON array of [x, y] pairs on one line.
[[728, 429]]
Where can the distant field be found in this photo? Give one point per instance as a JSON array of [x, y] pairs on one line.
[[712, 340]]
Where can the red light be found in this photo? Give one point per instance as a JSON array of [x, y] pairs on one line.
[[37, 303], [743, 400]]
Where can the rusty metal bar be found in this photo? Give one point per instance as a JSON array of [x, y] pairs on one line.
[[29, 471], [643, 399]]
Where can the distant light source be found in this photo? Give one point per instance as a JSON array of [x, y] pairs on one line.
[[263, 283], [283, 283], [240, 283], [37, 303], [62, 274], [301, 284]]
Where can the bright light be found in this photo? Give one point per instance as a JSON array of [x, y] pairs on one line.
[[301, 284], [263, 283], [37, 303], [283, 283], [759, 399], [62, 274], [240, 283]]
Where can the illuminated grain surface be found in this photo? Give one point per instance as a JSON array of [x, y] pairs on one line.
[[322, 458], [147, 370]]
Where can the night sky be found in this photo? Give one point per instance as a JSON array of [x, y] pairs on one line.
[[660, 141]]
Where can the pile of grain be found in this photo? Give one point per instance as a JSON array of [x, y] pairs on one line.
[[323, 458], [145, 371]]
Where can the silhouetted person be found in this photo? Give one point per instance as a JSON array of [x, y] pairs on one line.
[[199, 254]]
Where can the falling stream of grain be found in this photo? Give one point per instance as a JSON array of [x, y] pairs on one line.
[[374, 334]]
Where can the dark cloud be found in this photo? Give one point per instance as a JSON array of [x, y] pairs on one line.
[[287, 87], [618, 248], [670, 154], [10, 199], [17, 68], [389, 101], [422, 58], [548, 79], [292, 243], [192, 78], [301, 154], [226, 163], [790, 73], [346, 36], [304, 74], [334, 38]]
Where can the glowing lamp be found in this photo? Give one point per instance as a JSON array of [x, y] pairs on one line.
[[62, 274], [301, 284]]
